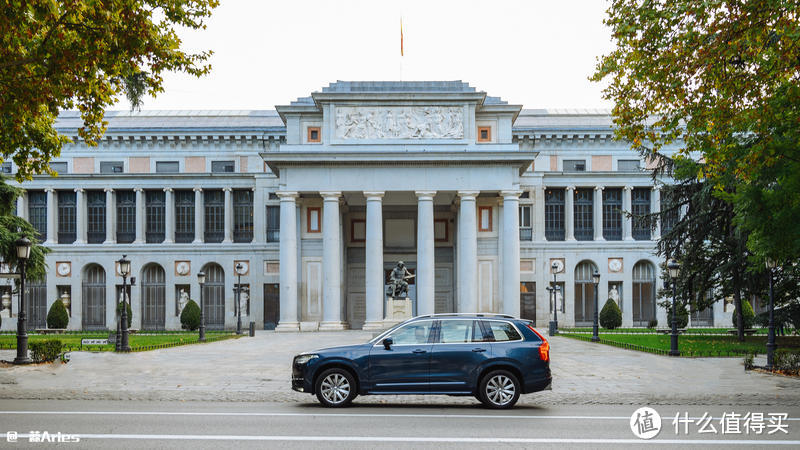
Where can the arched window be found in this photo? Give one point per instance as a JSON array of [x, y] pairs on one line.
[[644, 293], [584, 294], [94, 298], [153, 297], [214, 296], [36, 303]]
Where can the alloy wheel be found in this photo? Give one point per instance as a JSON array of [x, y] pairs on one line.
[[500, 390], [335, 388]]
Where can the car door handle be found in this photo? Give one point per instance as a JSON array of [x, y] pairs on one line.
[[478, 350], [419, 351]]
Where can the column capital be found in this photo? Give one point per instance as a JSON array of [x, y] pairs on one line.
[[657, 187], [227, 189], [138, 189], [599, 188], [628, 188], [511, 194], [425, 195], [167, 189], [330, 196], [49, 190], [570, 188], [197, 189], [468, 195], [374, 195], [78, 190], [287, 196], [108, 189]]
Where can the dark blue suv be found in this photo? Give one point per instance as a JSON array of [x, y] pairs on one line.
[[493, 357]]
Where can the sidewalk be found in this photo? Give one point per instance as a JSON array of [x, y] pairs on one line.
[[258, 369]]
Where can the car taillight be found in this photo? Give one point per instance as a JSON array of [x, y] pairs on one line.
[[544, 349]]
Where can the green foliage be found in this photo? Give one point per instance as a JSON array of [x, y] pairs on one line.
[[748, 361], [57, 318], [610, 315], [190, 316], [45, 351], [129, 311], [652, 324], [748, 316], [787, 361], [683, 315], [82, 54]]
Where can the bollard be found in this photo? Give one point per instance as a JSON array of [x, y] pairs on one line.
[[252, 329]]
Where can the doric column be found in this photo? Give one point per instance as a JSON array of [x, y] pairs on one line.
[[510, 267], [199, 223], [627, 231], [288, 263], [569, 213], [228, 215], [373, 270], [468, 252], [139, 216], [598, 213], [80, 216], [169, 216], [655, 208], [331, 262], [538, 213], [111, 217], [52, 217], [425, 253]]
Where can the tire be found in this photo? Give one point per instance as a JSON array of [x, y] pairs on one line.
[[499, 389], [336, 388]]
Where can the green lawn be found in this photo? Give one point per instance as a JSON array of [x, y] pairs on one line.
[[144, 341], [694, 345], [649, 331]]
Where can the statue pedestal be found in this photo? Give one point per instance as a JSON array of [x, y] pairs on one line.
[[397, 310]]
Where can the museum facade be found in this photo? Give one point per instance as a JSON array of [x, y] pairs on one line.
[[316, 201]]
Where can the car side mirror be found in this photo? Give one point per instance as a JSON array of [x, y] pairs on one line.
[[387, 343]]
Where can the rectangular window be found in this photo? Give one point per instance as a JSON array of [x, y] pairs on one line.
[[628, 165], [358, 230], [525, 229], [484, 134], [66, 217], [574, 165], [313, 134], [554, 215], [167, 167], [640, 209], [484, 218], [6, 167], [155, 206], [584, 218], [111, 167], [126, 217], [214, 216], [37, 212], [243, 215], [59, 167], [184, 216], [95, 217], [222, 166], [612, 214], [273, 223], [313, 224], [440, 230]]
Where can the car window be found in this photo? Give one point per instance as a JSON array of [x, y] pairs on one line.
[[413, 333], [501, 331], [455, 331], [477, 332]]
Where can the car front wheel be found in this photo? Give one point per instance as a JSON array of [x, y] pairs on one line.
[[335, 388], [499, 389]]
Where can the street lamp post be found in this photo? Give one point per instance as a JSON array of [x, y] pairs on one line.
[[124, 270], [239, 270], [201, 279], [674, 269], [23, 253], [554, 323], [771, 345], [596, 280]]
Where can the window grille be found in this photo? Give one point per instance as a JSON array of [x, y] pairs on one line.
[[273, 223], [578, 165], [584, 214], [184, 216], [644, 293], [155, 206], [222, 166], [214, 216], [37, 212], [59, 167], [95, 217], [612, 214], [640, 208], [554, 215], [669, 212], [126, 217], [525, 230], [111, 167], [66, 217], [584, 294], [242, 216], [628, 165]]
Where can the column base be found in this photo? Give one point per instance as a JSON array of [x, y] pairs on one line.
[[333, 326], [110, 243], [375, 325], [227, 241], [198, 241], [287, 327], [138, 242]]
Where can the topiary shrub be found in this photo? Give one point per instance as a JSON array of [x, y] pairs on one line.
[[46, 351], [652, 324], [190, 316], [747, 313], [610, 315], [130, 313], [683, 316], [57, 317]]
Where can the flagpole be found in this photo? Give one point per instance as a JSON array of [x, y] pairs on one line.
[[401, 47]]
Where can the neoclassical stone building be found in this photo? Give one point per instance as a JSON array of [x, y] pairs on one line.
[[317, 201]]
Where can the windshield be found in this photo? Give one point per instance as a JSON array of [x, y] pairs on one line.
[[380, 337]]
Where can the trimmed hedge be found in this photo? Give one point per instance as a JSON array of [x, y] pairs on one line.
[[130, 313], [683, 316], [610, 315], [190, 316], [57, 318], [45, 351], [747, 313]]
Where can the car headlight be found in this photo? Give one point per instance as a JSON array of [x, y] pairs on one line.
[[302, 359]]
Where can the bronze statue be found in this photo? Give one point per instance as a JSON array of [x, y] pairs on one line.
[[398, 286]]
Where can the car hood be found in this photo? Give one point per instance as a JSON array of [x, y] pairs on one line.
[[340, 349]]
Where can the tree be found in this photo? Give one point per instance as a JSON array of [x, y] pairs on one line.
[[82, 54], [610, 315], [11, 229], [57, 318], [190, 316], [718, 78]]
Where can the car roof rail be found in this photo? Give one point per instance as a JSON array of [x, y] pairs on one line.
[[463, 314]]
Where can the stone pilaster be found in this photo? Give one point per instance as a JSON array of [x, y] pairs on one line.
[[373, 270], [425, 253], [468, 252], [510, 254], [331, 263], [288, 263]]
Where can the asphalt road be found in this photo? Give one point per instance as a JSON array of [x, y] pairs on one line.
[[135, 424]]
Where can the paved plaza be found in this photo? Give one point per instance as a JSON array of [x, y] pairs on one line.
[[258, 369]]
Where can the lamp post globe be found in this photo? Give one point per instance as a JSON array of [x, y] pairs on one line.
[[771, 344], [201, 280], [124, 270], [674, 269], [23, 245], [596, 281]]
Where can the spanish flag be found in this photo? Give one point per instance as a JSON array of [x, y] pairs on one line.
[[401, 36]]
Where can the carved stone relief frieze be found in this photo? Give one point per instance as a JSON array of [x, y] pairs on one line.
[[399, 122]]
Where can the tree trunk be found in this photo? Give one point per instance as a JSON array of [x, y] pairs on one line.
[[737, 300]]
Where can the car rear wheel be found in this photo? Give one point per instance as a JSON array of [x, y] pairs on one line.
[[336, 388], [499, 389]]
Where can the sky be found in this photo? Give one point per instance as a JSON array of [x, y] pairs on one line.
[[536, 53]]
